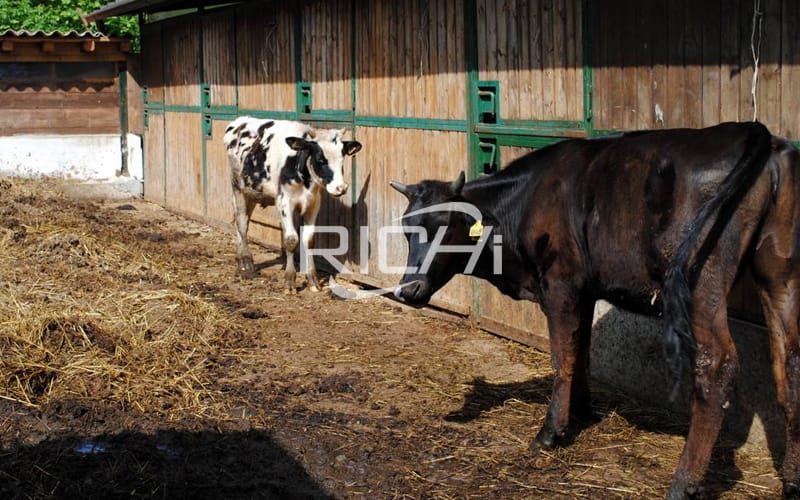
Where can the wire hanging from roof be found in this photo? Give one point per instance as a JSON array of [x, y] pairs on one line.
[[755, 50]]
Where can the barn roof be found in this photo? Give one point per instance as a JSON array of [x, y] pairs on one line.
[[50, 34], [126, 7]]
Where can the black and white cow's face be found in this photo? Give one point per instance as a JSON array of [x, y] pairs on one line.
[[430, 210], [326, 153]]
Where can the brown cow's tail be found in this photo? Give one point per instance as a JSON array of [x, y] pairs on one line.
[[684, 268]]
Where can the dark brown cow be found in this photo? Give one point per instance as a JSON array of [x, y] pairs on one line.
[[654, 222]]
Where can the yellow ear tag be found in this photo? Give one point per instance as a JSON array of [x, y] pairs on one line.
[[476, 230]]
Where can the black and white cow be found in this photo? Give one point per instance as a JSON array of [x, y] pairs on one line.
[[283, 163]]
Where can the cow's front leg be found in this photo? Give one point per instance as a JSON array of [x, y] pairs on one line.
[[290, 240], [569, 324], [243, 210], [309, 219]]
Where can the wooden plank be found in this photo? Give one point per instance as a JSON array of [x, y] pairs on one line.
[[660, 52], [769, 91], [219, 190], [645, 71], [674, 111], [729, 58], [790, 70], [154, 181], [152, 65], [548, 61], [601, 73], [45, 98], [560, 61], [184, 177], [182, 74], [135, 105], [629, 48], [218, 56], [711, 54], [60, 120], [265, 58], [745, 60]]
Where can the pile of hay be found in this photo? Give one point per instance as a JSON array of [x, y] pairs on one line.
[[85, 318]]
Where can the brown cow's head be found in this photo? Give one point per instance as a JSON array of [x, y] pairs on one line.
[[437, 217]]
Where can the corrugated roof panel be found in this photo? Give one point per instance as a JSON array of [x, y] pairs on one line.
[[45, 34], [127, 7]]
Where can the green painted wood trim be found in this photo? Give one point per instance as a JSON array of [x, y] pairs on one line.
[[527, 141], [566, 129], [355, 236], [588, 71], [205, 103], [260, 113], [602, 132], [328, 115], [470, 36], [164, 121], [180, 108], [411, 123]]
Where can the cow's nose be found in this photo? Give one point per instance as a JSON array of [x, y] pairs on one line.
[[340, 189]]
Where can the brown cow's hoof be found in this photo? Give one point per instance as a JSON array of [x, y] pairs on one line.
[[682, 488], [545, 440]]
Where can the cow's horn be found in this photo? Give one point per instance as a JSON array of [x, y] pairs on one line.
[[457, 185], [400, 187]]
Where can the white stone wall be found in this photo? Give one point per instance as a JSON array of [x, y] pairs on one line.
[[79, 157]]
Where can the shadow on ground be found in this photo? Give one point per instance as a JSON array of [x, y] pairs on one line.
[[168, 464]]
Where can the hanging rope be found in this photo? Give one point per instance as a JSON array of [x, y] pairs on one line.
[[755, 50]]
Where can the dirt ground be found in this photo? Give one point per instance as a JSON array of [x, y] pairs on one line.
[[135, 364]]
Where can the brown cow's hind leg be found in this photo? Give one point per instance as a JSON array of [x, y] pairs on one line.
[[778, 281], [715, 368]]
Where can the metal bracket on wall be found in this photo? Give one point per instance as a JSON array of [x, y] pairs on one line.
[[304, 97], [488, 101], [205, 104], [488, 155]]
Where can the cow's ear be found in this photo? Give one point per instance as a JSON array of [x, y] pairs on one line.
[[457, 185], [297, 143], [351, 147]]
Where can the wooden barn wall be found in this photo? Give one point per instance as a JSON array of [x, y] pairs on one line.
[[689, 64], [60, 108], [219, 56], [153, 138], [382, 206], [155, 181], [184, 173], [265, 58], [410, 59], [326, 47], [181, 41], [534, 49], [219, 192], [399, 77]]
